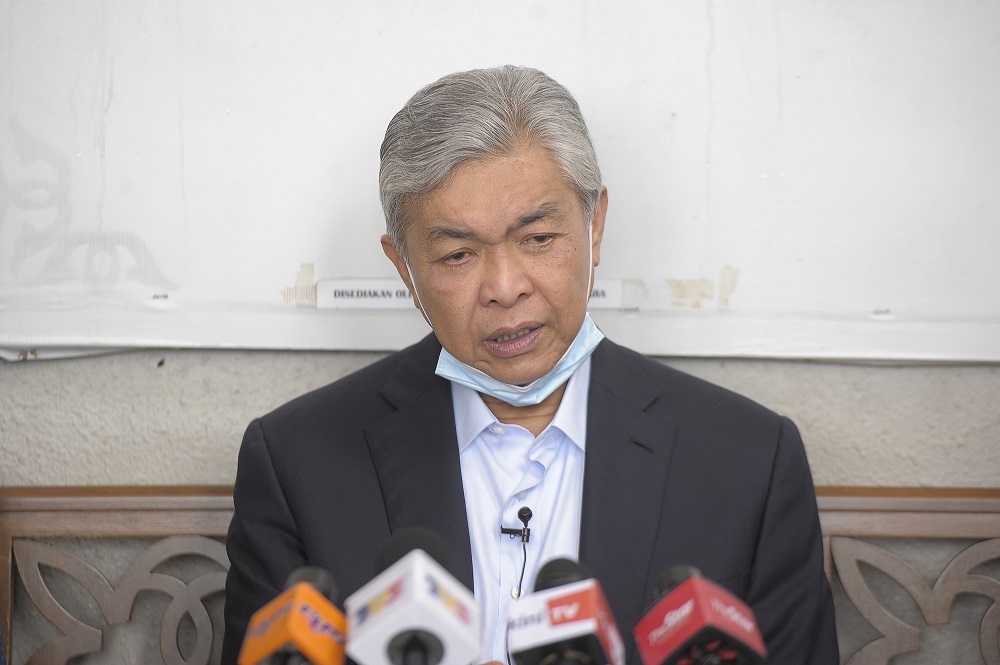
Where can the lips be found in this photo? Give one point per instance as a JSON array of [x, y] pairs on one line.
[[508, 337], [513, 342]]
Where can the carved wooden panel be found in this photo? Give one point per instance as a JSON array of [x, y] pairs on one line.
[[106, 513], [188, 515], [935, 601], [116, 600]]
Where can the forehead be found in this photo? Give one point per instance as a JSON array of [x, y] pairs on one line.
[[496, 190]]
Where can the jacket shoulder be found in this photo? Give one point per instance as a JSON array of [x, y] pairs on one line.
[[365, 393], [670, 389]]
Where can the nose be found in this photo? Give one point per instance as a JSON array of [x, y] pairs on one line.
[[505, 279]]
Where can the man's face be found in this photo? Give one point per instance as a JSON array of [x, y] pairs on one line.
[[502, 263]]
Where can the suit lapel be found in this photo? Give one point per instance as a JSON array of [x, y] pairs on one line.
[[624, 478], [415, 451]]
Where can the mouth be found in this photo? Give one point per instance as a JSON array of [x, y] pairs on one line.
[[514, 335], [510, 343]]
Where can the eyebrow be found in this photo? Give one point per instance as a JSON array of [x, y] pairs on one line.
[[543, 211], [441, 232]]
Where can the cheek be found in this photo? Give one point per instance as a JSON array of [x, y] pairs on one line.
[[450, 305], [570, 270], [448, 292]]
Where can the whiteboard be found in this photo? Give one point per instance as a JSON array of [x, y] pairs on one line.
[[786, 179]]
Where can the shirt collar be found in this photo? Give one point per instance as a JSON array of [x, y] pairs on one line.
[[472, 416]]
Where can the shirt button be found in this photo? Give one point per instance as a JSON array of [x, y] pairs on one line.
[[497, 429], [520, 496], [515, 593]]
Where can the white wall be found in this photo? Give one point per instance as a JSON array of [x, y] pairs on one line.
[[823, 172]]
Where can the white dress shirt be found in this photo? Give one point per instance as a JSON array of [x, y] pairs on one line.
[[505, 467]]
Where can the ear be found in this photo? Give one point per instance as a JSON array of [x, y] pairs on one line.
[[597, 225], [404, 274]]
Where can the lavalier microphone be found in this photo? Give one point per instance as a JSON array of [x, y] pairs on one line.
[[524, 514]]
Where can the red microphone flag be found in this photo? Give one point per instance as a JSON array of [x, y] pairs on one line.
[[695, 618]]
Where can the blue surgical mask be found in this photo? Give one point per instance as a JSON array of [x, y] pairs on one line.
[[583, 345]]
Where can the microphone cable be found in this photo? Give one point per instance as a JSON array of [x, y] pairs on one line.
[[523, 514]]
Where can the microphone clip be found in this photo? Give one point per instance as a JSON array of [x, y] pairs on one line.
[[524, 514]]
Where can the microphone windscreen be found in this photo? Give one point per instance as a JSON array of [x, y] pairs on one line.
[[672, 576], [319, 578], [558, 572]]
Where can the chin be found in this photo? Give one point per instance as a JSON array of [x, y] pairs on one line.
[[518, 373], [521, 378]]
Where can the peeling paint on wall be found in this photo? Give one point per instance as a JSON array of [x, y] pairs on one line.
[[693, 292], [303, 294], [728, 277], [690, 292]]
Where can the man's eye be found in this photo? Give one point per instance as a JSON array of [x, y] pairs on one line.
[[539, 239], [457, 257]]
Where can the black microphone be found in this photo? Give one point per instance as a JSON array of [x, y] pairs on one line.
[[696, 622], [565, 621], [413, 612], [524, 514]]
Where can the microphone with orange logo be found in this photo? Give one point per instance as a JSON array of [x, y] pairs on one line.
[[301, 625], [566, 620]]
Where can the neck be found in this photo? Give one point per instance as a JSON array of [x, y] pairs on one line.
[[533, 418]]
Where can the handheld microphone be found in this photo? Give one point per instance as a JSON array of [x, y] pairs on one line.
[[565, 620], [414, 612], [697, 622], [301, 625]]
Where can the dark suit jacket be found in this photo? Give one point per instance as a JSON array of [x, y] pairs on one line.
[[676, 471]]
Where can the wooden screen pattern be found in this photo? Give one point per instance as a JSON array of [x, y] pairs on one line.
[[116, 601], [190, 521], [935, 601]]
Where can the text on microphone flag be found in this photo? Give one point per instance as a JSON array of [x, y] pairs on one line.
[[451, 601], [568, 608], [300, 616], [697, 611], [380, 602]]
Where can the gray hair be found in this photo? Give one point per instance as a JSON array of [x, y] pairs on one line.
[[475, 115]]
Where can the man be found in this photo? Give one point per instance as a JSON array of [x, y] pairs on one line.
[[495, 212]]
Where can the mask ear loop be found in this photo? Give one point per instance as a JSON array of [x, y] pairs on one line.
[[592, 274], [420, 304]]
